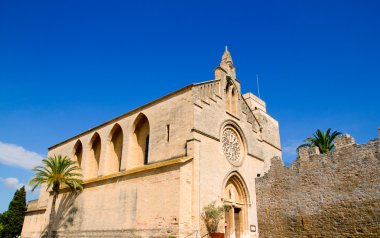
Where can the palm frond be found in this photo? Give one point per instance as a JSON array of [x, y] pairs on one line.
[[57, 170], [323, 140]]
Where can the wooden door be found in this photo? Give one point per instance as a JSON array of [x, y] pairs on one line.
[[227, 224], [237, 222]]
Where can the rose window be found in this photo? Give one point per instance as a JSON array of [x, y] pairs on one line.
[[231, 146]]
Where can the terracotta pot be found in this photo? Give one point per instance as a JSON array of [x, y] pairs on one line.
[[217, 235]]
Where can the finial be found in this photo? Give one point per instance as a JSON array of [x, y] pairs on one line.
[[226, 55]]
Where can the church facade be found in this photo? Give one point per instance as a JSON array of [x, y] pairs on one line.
[[150, 172]]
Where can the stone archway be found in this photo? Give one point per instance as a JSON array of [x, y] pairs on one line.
[[235, 196]]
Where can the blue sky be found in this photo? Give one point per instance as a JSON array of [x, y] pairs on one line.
[[68, 66]]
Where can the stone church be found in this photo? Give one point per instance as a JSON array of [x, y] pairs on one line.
[[150, 172]]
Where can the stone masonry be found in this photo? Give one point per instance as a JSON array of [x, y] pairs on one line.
[[323, 195], [151, 171]]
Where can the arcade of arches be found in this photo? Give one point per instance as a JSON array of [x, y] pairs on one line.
[[138, 149]]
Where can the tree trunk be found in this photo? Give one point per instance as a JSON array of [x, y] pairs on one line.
[[52, 211]]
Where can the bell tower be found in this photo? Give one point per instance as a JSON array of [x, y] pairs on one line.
[[226, 72], [229, 84]]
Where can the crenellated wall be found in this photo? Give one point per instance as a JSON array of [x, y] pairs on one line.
[[323, 195]]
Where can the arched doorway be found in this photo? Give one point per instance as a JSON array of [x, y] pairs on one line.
[[236, 197]]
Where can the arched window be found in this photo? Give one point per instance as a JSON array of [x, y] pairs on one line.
[[228, 98], [146, 152], [78, 153], [234, 99], [115, 149], [93, 165], [139, 146]]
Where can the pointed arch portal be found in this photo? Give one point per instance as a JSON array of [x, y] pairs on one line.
[[235, 196]]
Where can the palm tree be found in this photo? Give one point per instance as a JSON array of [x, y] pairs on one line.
[[324, 141], [57, 171]]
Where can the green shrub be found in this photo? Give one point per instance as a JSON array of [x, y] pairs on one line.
[[212, 215]]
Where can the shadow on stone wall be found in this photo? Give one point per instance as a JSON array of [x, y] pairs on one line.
[[329, 195], [65, 213]]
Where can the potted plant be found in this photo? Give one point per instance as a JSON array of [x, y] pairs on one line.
[[211, 216]]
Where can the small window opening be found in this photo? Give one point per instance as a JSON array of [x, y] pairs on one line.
[[258, 175], [146, 149], [167, 133]]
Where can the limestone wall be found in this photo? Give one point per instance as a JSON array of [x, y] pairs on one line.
[[141, 204], [212, 168], [214, 172], [259, 130], [173, 110], [149, 172], [329, 195], [114, 202]]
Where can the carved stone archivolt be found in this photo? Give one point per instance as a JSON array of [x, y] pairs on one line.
[[232, 146]]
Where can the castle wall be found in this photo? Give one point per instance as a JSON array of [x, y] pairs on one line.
[[327, 195]]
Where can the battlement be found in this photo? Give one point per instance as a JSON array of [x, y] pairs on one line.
[[343, 141], [305, 152], [317, 190]]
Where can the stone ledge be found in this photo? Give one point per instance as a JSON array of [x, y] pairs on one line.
[[137, 170], [36, 210], [140, 169], [154, 232]]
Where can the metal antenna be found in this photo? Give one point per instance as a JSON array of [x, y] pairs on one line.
[[258, 86]]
